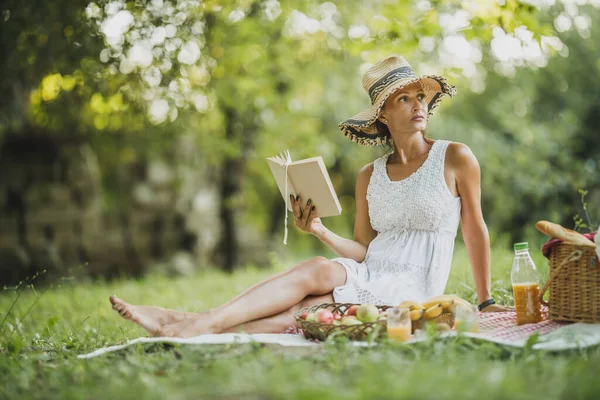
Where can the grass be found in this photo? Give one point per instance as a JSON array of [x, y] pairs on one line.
[[38, 351]]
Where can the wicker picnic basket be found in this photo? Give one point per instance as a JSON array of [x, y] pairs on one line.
[[320, 331], [574, 283]]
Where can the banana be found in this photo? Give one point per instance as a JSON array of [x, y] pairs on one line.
[[434, 311], [445, 299], [411, 305], [416, 314], [458, 301], [446, 304]]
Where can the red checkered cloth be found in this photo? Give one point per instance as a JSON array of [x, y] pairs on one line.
[[499, 326], [546, 247], [503, 326]]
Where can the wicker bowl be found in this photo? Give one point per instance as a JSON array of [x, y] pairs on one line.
[[574, 284], [445, 317], [319, 331]]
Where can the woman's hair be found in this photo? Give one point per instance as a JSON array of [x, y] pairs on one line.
[[382, 128]]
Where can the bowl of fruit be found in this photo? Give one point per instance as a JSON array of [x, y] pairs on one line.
[[354, 321], [361, 321]]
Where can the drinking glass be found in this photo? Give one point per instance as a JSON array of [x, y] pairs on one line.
[[466, 318], [399, 326]]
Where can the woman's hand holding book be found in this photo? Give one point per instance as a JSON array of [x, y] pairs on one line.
[[306, 217]]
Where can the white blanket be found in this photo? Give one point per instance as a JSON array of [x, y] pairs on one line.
[[568, 337]]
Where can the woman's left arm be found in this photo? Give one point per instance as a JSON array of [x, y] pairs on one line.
[[475, 233]]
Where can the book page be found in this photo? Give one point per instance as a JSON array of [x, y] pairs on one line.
[[277, 167], [311, 181]]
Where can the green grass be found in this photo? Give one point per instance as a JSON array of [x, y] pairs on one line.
[[38, 351]]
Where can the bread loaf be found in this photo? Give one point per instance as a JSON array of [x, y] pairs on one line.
[[559, 232]]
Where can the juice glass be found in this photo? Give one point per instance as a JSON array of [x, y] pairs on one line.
[[399, 326], [466, 318]]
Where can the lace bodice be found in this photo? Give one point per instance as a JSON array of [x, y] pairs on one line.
[[416, 220], [421, 201]]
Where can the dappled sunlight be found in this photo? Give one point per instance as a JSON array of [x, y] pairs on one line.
[[133, 143]]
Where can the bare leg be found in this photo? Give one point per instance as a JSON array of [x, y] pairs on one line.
[[280, 322], [273, 296], [148, 317]]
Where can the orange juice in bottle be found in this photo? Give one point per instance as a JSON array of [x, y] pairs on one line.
[[524, 279]]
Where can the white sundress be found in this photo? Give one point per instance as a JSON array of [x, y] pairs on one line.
[[416, 219]]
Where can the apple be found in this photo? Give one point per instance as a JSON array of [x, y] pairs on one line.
[[352, 310], [350, 320], [367, 313], [311, 317], [324, 316], [304, 315], [337, 316]]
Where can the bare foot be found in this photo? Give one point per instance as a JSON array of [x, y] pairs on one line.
[[198, 325], [148, 317]]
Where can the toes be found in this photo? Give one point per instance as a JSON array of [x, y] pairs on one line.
[[123, 311]]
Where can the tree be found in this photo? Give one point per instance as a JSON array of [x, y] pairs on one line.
[[535, 134], [237, 74], [245, 61]]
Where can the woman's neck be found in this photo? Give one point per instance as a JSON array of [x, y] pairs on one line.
[[410, 148]]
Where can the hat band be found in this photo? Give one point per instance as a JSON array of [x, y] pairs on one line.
[[392, 76]]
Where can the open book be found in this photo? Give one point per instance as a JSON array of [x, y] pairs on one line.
[[307, 178]]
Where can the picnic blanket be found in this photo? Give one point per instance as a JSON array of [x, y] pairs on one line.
[[499, 328]]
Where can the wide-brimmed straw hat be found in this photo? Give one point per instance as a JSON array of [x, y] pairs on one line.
[[380, 81]]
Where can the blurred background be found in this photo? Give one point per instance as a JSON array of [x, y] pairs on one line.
[[133, 135]]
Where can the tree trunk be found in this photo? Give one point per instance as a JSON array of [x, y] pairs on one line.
[[232, 171]]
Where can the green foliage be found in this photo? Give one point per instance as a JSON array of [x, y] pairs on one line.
[[249, 79], [535, 136]]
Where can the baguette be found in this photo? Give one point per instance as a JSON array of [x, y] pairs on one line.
[[567, 235]]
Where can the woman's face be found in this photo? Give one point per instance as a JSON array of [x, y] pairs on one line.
[[405, 110]]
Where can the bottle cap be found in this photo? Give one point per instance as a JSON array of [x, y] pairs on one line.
[[522, 246]]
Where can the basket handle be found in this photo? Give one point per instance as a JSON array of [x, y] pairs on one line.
[[574, 256]]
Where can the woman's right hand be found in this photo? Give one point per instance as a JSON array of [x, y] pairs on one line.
[[306, 218]]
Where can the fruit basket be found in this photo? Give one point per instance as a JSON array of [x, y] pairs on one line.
[[339, 323], [574, 284], [355, 331]]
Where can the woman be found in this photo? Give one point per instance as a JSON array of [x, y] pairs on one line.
[[408, 206]]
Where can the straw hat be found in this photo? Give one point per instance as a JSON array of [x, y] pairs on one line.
[[380, 81]]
